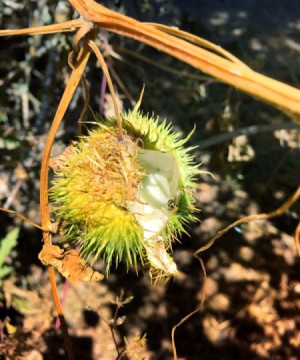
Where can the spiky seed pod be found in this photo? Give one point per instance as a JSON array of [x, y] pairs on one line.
[[127, 200]]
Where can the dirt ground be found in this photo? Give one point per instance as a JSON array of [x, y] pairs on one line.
[[252, 303]]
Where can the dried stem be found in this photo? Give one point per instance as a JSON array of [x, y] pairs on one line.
[[23, 218], [63, 105], [184, 319], [281, 210], [60, 314], [103, 65], [73, 82], [86, 104], [195, 51], [68, 26], [185, 47], [219, 64], [179, 73]]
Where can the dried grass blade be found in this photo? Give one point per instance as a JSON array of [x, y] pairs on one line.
[[67, 26]]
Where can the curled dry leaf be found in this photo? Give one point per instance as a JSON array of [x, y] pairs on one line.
[[68, 263]]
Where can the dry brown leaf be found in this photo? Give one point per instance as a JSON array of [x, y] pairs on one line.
[[68, 263]]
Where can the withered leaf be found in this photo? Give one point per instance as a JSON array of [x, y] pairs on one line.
[[69, 263]]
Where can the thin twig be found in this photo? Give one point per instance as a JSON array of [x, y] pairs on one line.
[[23, 218], [102, 62], [86, 104], [79, 66], [62, 301], [63, 105], [214, 61], [180, 73], [281, 210], [68, 26], [103, 81], [121, 85], [60, 314], [191, 313]]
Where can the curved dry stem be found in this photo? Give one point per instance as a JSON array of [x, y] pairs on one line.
[[191, 313], [63, 105], [121, 85], [101, 60], [200, 42], [158, 65], [60, 315], [185, 47], [75, 77], [85, 106], [232, 72], [281, 210], [68, 26], [23, 218]]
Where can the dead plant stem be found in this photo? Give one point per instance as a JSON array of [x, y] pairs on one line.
[[23, 218], [184, 319], [64, 327], [72, 84], [103, 65], [213, 61], [281, 210]]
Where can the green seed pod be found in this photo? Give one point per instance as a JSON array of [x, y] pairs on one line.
[[126, 200]]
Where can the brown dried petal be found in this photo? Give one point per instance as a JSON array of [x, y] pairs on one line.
[[68, 263]]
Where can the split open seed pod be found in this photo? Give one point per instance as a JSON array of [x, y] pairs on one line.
[[126, 200]]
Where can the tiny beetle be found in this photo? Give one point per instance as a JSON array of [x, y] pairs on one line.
[[171, 204]]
